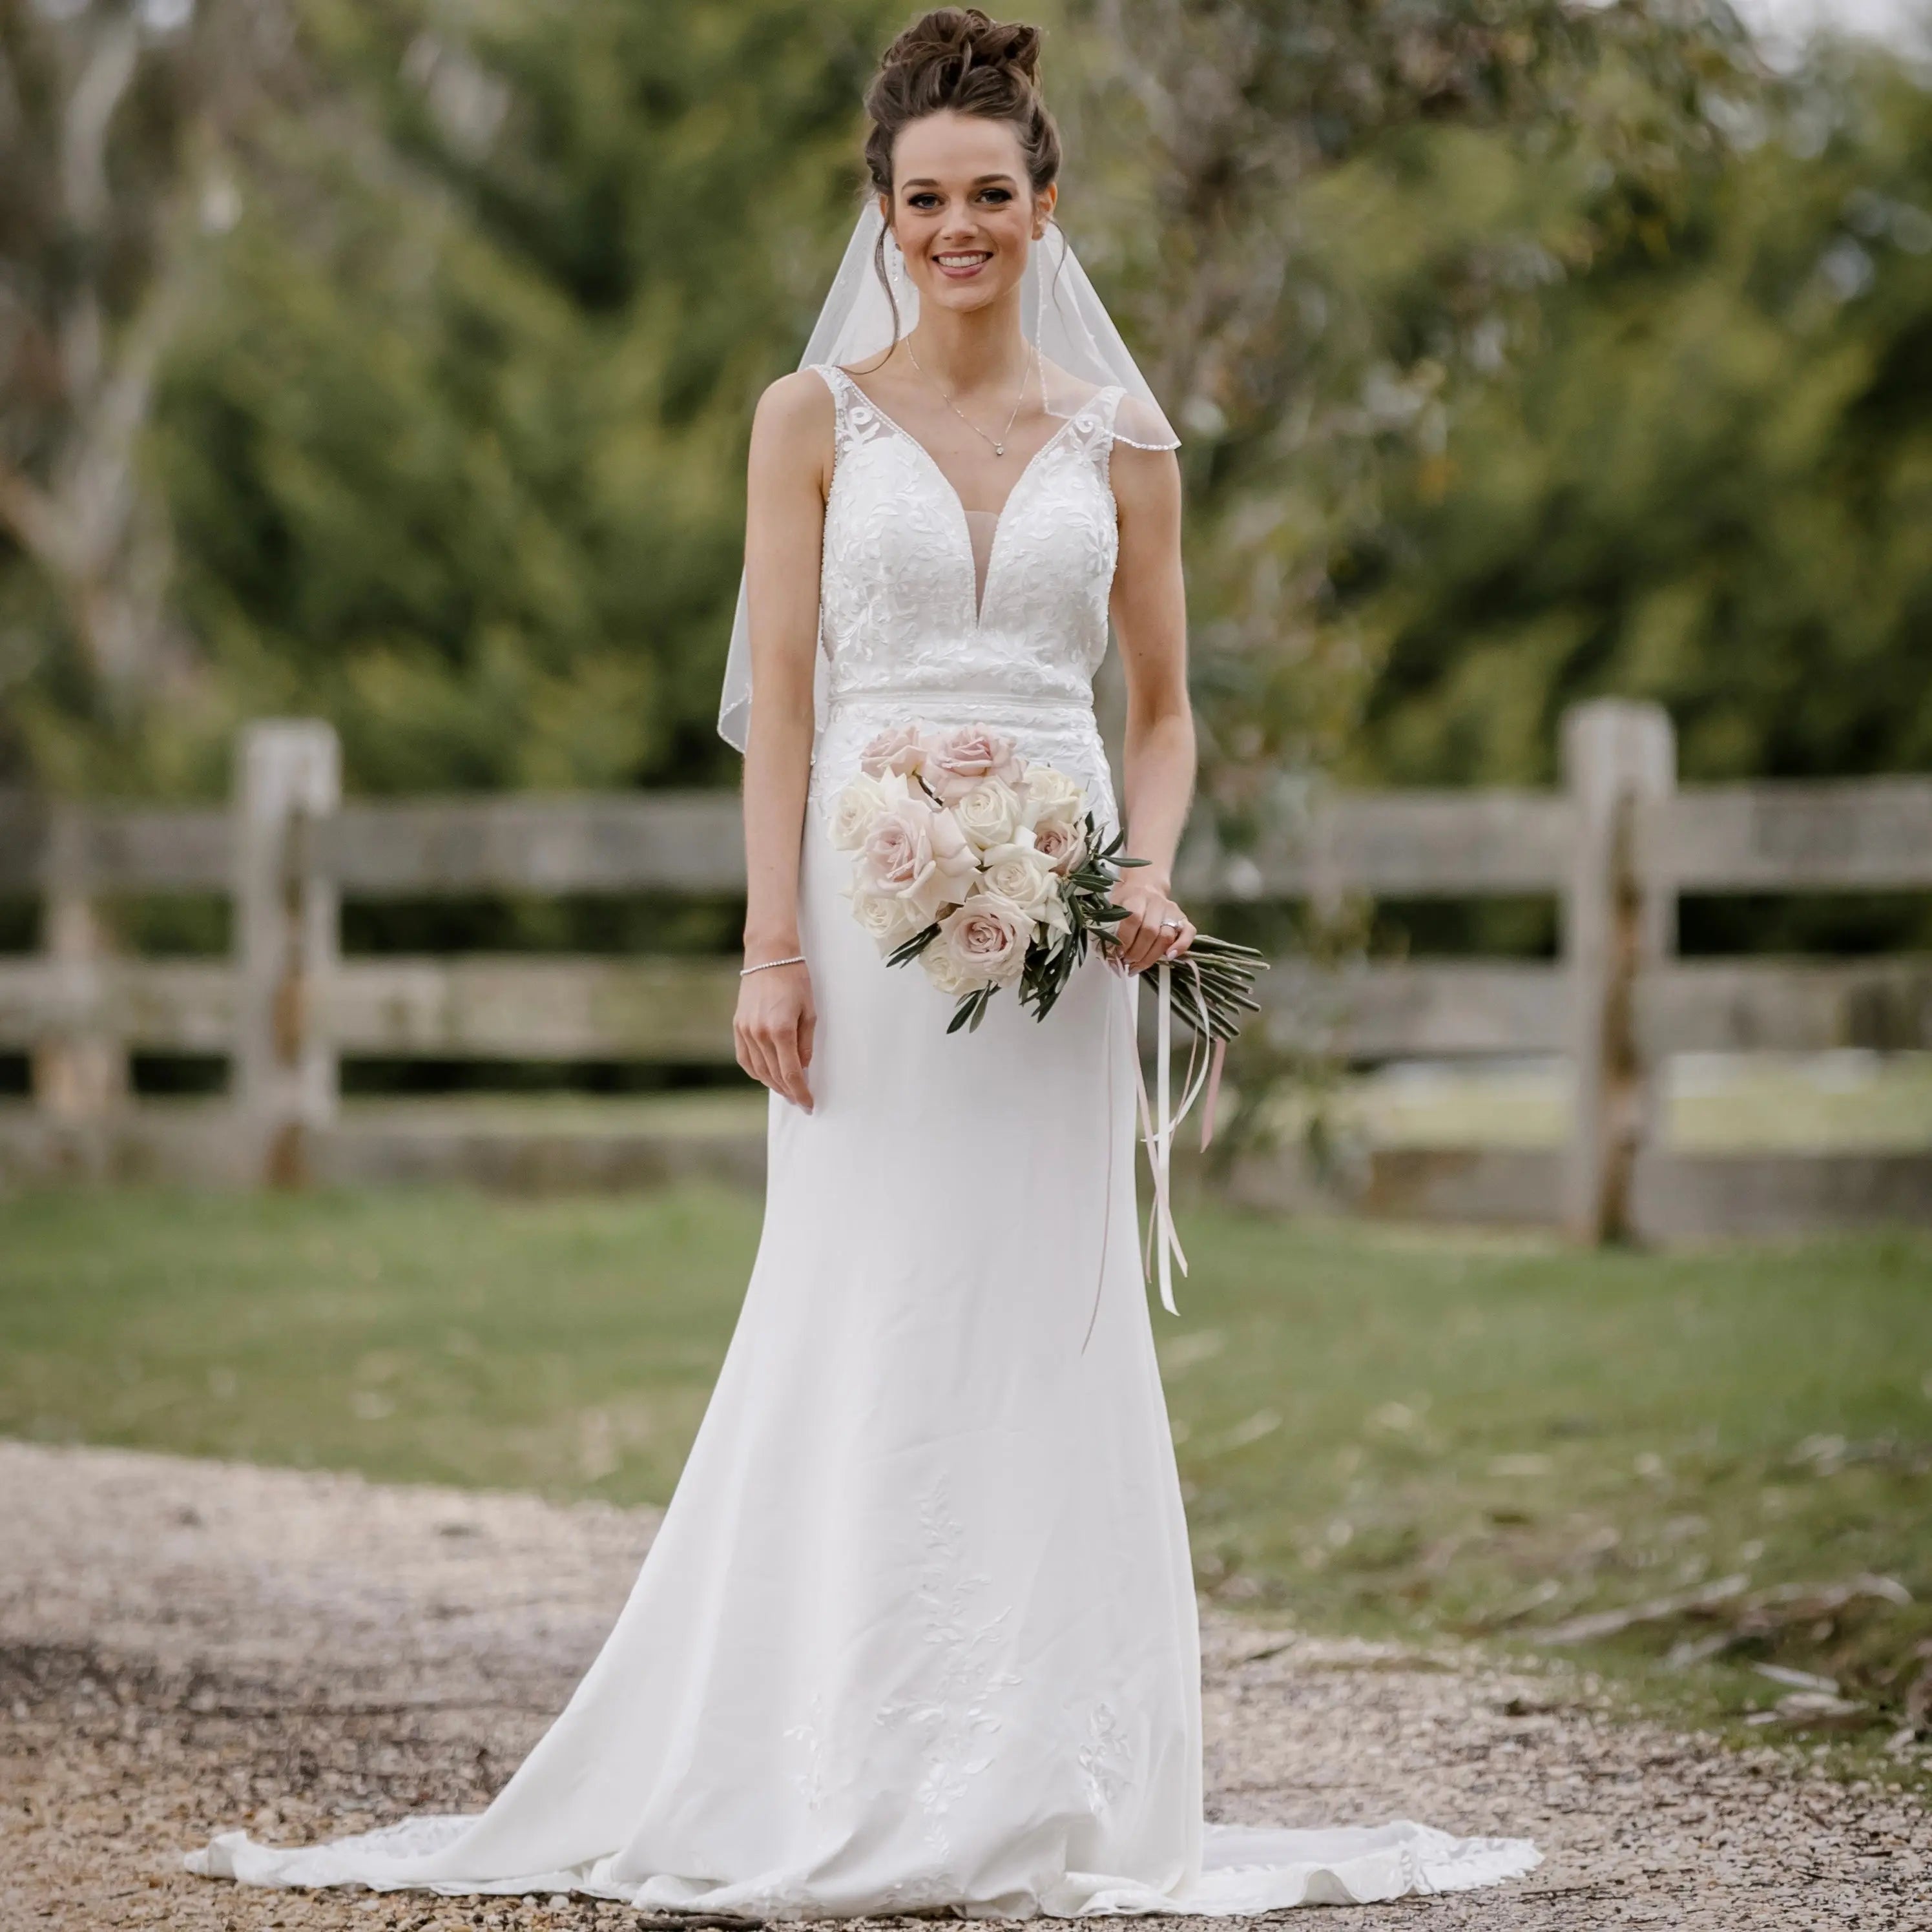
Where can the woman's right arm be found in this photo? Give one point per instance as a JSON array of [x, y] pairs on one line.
[[784, 526]]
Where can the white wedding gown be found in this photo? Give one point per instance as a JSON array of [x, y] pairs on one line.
[[919, 1630]]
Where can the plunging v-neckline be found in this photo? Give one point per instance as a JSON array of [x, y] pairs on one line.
[[981, 593]]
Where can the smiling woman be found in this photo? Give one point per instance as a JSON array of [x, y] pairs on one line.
[[972, 228], [918, 1632]]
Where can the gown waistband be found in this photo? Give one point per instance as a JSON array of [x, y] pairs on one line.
[[916, 694]]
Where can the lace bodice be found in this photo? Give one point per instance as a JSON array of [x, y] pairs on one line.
[[904, 628]]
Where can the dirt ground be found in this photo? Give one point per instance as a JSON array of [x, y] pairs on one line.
[[188, 1646]]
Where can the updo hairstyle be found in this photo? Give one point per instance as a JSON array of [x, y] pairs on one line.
[[955, 59]]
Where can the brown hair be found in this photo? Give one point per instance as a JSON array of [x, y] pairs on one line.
[[956, 59]]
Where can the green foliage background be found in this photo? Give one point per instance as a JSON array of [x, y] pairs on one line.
[[1522, 354], [454, 452], [1706, 479]]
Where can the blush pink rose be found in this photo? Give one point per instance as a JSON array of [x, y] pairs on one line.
[[1059, 844], [900, 747], [958, 760], [914, 852], [984, 942]]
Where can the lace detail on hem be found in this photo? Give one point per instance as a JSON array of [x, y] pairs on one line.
[[809, 1737], [1106, 1760], [959, 1721]]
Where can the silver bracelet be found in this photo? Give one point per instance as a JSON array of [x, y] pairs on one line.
[[797, 959]]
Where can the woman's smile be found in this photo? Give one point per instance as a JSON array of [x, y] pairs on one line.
[[961, 264]]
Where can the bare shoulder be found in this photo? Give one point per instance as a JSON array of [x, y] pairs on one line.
[[800, 404], [792, 426]]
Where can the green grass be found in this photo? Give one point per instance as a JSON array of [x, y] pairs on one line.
[[567, 1346], [1404, 1431], [1399, 1432], [1712, 1103]]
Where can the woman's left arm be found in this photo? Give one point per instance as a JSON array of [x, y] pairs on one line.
[[1149, 610]]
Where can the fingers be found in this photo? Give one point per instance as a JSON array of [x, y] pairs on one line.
[[791, 1081], [773, 1059], [750, 1056], [773, 1032], [1147, 944], [1156, 931]]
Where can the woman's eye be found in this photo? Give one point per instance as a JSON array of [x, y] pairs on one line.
[[924, 202], [998, 194]]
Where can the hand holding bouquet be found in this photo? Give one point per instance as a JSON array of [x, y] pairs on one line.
[[991, 872]]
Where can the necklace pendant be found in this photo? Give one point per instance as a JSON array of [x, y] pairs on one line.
[[999, 449]]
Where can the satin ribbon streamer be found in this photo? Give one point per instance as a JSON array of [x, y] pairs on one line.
[[1162, 1251]]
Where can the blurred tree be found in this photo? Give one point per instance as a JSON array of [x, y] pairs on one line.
[[120, 125], [458, 461], [1522, 351], [1706, 479], [1326, 218]]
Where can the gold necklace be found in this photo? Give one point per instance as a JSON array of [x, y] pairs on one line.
[[999, 446]]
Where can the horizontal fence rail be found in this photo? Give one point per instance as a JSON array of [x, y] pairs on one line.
[[1865, 834], [1410, 845], [1786, 1006], [118, 849], [660, 842], [679, 1010], [1870, 834], [1614, 847], [672, 1010]]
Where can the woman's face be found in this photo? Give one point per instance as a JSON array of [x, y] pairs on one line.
[[962, 210]]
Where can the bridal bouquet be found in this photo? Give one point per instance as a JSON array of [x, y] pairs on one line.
[[990, 872]]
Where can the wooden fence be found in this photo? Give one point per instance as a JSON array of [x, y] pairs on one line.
[[1615, 848]]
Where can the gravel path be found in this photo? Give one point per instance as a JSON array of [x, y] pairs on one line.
[[185, 1646]]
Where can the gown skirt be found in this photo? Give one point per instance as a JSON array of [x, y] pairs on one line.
[[918, 1631]]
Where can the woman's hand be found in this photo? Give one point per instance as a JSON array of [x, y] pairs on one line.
[[1155, 927], [773, 1030]]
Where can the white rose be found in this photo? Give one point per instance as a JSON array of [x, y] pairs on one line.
[[985, 942], [889, 923], [915, 851], [990, 813], [956, 860], [1051, 796], [943, 968], [1024, 876], [854, 810]]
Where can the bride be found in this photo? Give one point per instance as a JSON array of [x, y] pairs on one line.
[[918, 1632]]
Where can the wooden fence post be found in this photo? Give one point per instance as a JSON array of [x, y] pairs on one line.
[[1615, 924], [79, 1074], [288, 776]]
